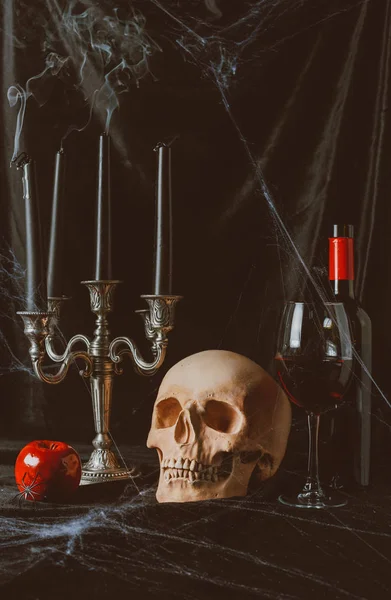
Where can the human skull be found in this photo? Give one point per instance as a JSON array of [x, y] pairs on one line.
[[217, 416]]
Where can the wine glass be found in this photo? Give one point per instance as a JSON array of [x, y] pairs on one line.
[[314, 366]]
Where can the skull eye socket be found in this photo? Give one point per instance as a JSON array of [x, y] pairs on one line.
[[222, 417], [167, 413]]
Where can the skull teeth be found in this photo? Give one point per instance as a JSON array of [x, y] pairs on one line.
[[189, 470]]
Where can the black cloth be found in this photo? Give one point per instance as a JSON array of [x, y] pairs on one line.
[[115, 539], [281, 108]]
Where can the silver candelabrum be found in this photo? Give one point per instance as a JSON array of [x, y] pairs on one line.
[[102, 359]]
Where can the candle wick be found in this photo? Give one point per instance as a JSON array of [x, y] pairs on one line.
[[21, 160], [159, 145], [166, 144]]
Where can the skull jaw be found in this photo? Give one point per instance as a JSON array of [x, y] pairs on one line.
[[181, 490]]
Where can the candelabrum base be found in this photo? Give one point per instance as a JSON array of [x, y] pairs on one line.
[[103, 467], [89, 477]]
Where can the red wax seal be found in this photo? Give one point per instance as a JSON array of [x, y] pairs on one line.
[[341, 261]]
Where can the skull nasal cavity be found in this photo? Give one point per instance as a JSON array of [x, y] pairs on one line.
[[184, 431], [221, 416]]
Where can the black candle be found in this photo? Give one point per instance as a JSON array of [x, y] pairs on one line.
[[103, 222], [35, 280], [162, 280], [55, 264]]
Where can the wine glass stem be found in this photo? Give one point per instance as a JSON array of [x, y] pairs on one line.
[[313, 482]]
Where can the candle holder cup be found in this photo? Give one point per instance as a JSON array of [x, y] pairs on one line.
[[102, 357], [55, 305]]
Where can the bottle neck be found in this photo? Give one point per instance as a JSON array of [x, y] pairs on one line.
[[343, 289], [341, 267]]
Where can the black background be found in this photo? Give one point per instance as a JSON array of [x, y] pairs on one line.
[[301, 130], [308, 102]]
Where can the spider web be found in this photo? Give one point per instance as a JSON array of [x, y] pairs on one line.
[[81, 42]]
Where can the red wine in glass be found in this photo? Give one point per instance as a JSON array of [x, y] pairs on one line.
[[316, 386], [314, 365]]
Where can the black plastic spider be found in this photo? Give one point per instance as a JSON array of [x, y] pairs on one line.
[[28, 492]]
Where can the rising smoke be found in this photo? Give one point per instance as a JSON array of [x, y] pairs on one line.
[[103, 52], [106, 50]]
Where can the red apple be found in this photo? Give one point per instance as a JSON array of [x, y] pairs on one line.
[[46, 470]]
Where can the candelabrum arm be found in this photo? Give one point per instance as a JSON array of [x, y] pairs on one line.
[[63, 370], [49, 346], [141, 366], [38, 327]]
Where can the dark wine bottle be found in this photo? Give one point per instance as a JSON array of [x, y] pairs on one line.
[[350, 440]]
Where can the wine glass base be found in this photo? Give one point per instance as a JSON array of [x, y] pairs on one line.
[[329, 499]]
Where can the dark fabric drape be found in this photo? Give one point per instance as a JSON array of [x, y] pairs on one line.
[[281, 113]]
